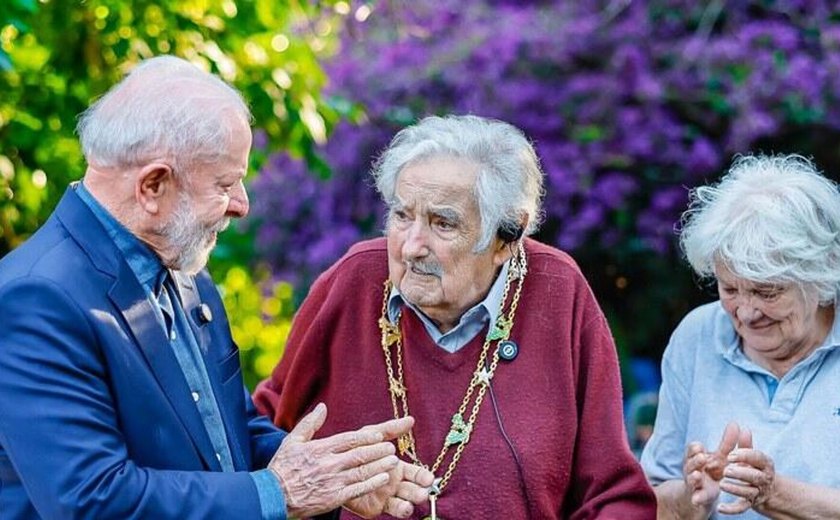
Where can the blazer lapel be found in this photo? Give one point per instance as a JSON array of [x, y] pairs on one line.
[[140, 316], [190, 301]]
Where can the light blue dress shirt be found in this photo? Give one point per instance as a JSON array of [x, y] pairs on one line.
[[162, 291]]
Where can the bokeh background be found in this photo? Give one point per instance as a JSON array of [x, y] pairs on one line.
[[630, 103]]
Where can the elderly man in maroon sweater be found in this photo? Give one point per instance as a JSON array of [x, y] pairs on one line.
[[493, 342]]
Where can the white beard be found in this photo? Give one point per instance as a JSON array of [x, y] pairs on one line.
[[193, 240]]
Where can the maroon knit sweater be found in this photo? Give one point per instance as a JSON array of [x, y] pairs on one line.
[[559, 401]]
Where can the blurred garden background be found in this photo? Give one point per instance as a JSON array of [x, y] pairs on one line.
[[630, 103]]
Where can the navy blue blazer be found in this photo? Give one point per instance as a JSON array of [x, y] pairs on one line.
[[96, 418]]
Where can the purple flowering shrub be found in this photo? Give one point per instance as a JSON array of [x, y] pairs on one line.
[[628, 104]]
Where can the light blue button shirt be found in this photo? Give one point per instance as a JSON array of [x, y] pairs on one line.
[[707, 382], [151, 274], [470, 324]]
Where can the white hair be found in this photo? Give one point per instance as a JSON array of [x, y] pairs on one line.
[[510, 181], [769, 219], [165, 108]]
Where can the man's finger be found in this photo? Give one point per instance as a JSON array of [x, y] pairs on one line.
[[364, 455], [694, 480], [392, 429], [371, 469], [363, 488], [738, 488], [702, 497], [348, 441], [693, 448], [727, 443], [398, 508], [417, 475], [311, 423], [412, 492]]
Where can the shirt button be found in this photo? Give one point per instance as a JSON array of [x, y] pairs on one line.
[[218, 457], [173, 336], [195, 396]]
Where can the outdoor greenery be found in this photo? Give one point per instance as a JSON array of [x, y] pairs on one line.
[[629, 104]]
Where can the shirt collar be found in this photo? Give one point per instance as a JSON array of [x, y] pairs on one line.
[[730, 346], [144, 263], [487, 309]]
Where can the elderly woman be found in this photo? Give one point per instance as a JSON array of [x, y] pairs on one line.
[[492, 341], [749, 412]]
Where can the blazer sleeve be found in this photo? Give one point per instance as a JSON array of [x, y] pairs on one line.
[[265, 438], [59, 428]]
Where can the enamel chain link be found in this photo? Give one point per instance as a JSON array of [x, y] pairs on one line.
[[460, 430]]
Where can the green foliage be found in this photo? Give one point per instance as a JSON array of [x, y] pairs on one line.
[[57, 56], [260, 313]]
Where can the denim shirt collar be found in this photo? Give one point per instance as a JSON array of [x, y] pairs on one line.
[[144, 263]]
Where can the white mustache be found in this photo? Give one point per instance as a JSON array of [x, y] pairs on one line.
[[432, 268]]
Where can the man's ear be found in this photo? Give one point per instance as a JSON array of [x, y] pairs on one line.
[[153, 182], [503, 249]]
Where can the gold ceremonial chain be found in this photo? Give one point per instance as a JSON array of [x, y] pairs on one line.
[[460, 431]]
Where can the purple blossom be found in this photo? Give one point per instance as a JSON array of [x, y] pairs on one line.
[[628, 104], [613, 188]]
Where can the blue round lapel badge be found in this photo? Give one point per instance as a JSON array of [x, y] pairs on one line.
[[508, 350]]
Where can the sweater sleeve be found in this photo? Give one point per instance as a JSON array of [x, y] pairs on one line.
[[297, 380], [608, 481]]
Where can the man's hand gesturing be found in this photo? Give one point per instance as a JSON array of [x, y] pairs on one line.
[[321, 475]]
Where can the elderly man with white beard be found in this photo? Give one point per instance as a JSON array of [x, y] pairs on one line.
[[121, 393]]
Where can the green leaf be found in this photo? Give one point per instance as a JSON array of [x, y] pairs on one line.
[[588, 133], [32, 58], [27, 5]]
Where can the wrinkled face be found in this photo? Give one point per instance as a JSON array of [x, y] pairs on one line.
[[432, 231], [215, 194], [775, 322]]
